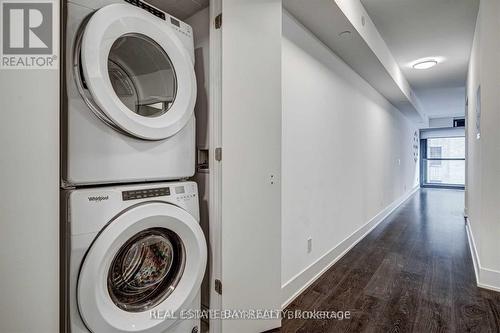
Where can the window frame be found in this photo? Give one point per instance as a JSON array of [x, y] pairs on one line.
[[423, 166]]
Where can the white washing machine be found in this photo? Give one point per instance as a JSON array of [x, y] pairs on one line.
[[133, 259], [130, 91]]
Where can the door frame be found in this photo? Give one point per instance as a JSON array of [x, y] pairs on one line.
[[215, 178]]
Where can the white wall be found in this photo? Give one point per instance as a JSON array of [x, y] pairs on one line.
[[29, 201], [251, 160], [483, 174], [443, 102], [347, 157], [450, 132], [442, 122]]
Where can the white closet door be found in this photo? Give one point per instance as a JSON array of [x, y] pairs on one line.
[[251, 160]]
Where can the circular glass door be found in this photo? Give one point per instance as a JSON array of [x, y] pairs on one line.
[[142, 75], [138, 72], [150, 257], [146, 270]]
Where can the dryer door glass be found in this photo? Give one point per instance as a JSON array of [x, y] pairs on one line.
[[146, 269], [139, 72], [142, 75]]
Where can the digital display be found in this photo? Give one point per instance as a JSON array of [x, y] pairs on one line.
[[145, 193], [175, 22], [179, 190]]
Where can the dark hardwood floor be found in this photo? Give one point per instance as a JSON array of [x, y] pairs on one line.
[[413, 273]]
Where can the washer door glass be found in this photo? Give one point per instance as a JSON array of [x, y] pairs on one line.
[[146, 269], [142, 75]]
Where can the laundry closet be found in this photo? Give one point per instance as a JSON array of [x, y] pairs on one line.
[[170, 165]]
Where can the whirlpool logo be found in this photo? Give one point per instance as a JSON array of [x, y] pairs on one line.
[[29, 35], [98, 198]]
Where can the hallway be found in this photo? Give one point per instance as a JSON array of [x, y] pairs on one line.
[[413, 273]]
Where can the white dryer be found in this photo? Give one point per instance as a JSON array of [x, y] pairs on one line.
[[134, 258], [130, 92]]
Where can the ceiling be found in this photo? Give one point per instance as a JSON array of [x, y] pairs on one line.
[[415, 29], [181, 9]]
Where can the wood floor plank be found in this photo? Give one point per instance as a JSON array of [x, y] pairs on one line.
[[363, 311], [433, 317], [402, 307], [345, 295], [309, 300], [437, 285], [381, 282], [492, 300]]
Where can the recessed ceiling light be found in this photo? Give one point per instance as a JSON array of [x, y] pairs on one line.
[[345, 34], [426, 64]]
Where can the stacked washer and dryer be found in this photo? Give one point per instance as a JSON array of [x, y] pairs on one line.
[[134, 254]]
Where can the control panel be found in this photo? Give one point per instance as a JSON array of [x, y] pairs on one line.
[[145, 193], [184, 194], [156, 12], [175, 24]]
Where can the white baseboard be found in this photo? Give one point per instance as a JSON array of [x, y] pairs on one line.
[[300, 282], [472, 247], [485, 278]]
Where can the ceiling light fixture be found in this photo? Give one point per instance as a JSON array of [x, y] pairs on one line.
[[426, 64]]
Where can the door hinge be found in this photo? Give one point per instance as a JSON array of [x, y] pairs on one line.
[[218, 154], [218, 286], [218, 21]]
